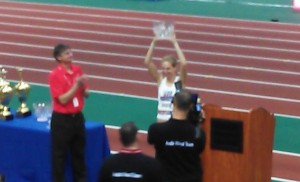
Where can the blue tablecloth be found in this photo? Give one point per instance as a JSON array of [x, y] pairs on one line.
[[25, 150]]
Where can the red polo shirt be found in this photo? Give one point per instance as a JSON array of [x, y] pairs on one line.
[[60, 81]]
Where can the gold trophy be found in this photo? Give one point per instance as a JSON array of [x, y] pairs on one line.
[[2, 84], [6, 93], [22, 91]]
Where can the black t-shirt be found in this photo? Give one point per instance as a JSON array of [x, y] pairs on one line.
[[178, 145], [131, 167]]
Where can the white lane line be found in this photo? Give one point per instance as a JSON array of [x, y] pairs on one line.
[[159, 48], [244, 80], [266, 5], [288, 116], [140, 13], [244, 3], [183, 31], [244, 94], [150, 20], [141, 97], [246, 68], [214, 91], [208, 1], [150, 37], [145, 70], [147, 28], [73, 30], [113, 127], [286, 153], [282, 179]]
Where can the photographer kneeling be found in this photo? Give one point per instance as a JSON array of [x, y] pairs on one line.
[[179, 142]]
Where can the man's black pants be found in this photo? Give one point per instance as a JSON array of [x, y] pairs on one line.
[[68, 134]]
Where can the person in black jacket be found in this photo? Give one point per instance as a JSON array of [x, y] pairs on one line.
[[130, 165], [2, 178], [178, 143]]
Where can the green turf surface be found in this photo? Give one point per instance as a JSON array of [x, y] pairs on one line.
[[115, 109], [264, 10]]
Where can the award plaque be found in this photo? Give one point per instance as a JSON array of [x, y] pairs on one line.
[[163, 29]]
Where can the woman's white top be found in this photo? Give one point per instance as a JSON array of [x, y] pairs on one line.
[[165, 97]]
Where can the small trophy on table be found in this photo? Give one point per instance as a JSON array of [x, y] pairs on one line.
[[6, 93], [22, 91], [163, 29]]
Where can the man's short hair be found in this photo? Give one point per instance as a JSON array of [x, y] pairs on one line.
[[59, 49], [183, 100], [128, 132]]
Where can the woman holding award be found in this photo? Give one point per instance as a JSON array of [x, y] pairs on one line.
[[168, 80]]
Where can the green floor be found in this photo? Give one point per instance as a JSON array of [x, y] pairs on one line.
[[264, 10], [115, 109]]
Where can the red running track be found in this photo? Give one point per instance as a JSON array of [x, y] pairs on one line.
[[238, 64]]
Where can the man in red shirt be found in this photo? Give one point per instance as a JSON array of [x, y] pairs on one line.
[[68, 89]]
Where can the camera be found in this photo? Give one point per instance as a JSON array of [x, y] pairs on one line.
[[195, 114]]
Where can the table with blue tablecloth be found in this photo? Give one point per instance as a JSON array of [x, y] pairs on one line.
[[25, 150]]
